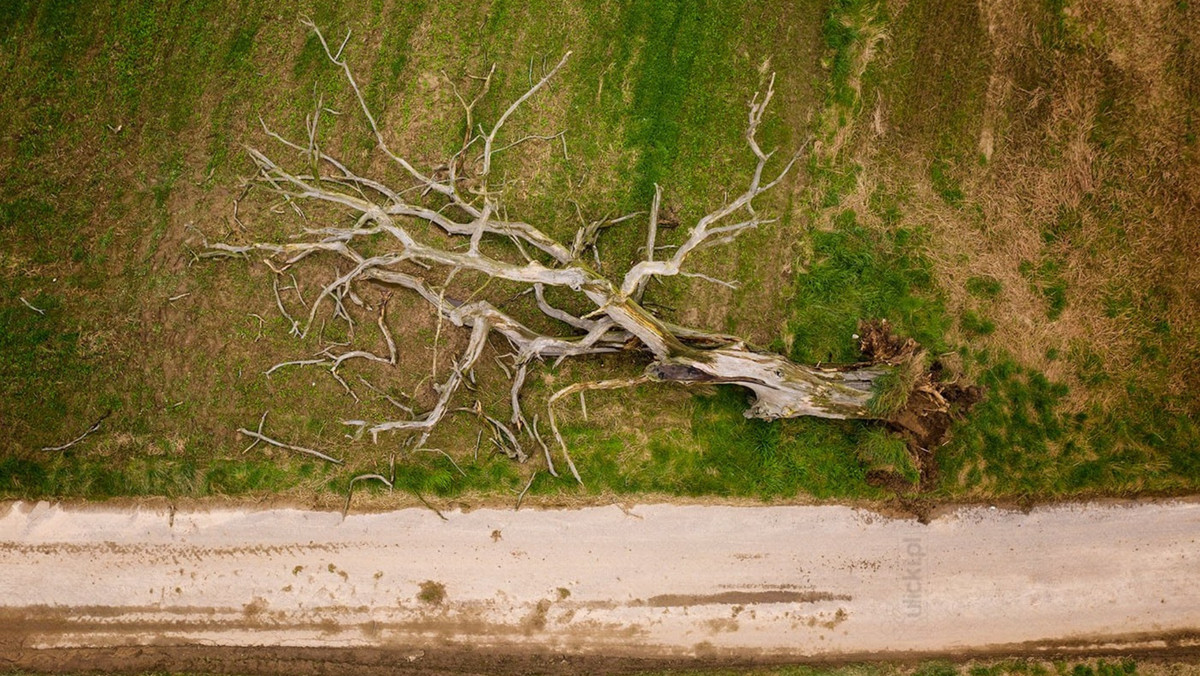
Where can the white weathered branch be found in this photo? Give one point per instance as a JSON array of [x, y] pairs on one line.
[[259, 436]]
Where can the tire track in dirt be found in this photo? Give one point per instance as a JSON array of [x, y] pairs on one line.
[[655, 582]]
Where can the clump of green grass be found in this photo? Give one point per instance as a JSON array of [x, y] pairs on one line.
[[836, 180], [1066, 225], [76, 475], [1021, 440], [936, 669], [726, 454], [944, 182], [844, 32], [860, 274], [984, 287], [135, 41], [975, 324], [1046, 280], [37, 352], [1088, 365], [1012, 433], [890, 391], [885, 452], [393, 56]]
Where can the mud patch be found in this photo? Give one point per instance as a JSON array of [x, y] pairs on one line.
[[432, 593], [932, 405]]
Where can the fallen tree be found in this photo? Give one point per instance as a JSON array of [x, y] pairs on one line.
[[460, 199]]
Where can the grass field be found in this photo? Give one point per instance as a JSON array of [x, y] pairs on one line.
[[1016, 186]]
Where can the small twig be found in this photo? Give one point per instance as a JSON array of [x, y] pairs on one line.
[[529, 137], [362, 477], [29, 305], [172, 299], [537, 436], [387, 334], [390, 399], [296, 286], [426, 503], [237, 204], [254, 443], [447, 456], [298, 362], [261, 322], [360, 424], [525, 490], [438, 331], [732, 285], [279, 302], [95, 426]]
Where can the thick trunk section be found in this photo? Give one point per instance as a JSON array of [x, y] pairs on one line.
[[782, 388]]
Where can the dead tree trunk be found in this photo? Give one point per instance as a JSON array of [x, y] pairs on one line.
[[619, 322]]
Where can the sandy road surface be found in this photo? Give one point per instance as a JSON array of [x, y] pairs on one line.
[[655, 580]]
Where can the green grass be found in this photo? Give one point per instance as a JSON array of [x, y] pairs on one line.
[[1046, 280], [1020, 441], [890, 391], [886, 453], [859, 274]]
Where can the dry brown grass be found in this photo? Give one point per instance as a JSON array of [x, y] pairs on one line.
[[1042, 155]]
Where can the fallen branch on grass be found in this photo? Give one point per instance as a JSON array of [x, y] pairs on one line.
[[404, 237], [259, 436], [95, 426]]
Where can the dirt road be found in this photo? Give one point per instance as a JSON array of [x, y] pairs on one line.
[[654, 580]]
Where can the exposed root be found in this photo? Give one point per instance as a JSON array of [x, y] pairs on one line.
[[926, 407]]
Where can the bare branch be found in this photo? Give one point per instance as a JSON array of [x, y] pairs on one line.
[[295, 330], [704, 229], [518, 381], [31, 307], [491, 137], [446, 390], [580, 387], [95, 426], [537, 436], [390, 399], [732, 285], [259, 436], [364, 477], [525, 490]]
